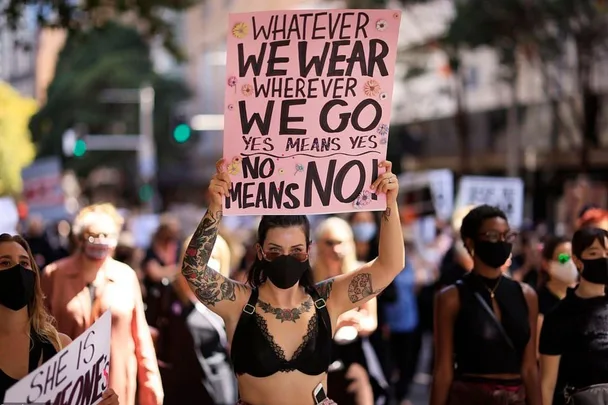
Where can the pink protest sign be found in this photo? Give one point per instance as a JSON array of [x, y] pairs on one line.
[[307, 109]]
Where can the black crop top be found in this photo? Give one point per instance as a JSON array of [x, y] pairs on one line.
[[38, 349], [255, 352], [480, 345]]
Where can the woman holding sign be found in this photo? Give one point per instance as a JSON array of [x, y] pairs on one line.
[[281, 324], [27, 335]]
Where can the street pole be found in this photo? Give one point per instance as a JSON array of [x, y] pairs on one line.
[[146, 152], [143, 143]]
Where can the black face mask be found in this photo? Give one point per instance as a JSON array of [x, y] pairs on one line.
[[595, 271], [494, 254], [17, 287], [285, 271]]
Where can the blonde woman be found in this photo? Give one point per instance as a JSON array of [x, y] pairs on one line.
[[27, 335], [336, 255], [84, 285]]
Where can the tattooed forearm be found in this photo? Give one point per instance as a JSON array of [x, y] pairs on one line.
[[209, 286], [324, 288], [360, 287], [386, 214]]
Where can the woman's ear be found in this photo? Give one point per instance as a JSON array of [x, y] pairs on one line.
[[259, 251], [469, 246], [578, 263]]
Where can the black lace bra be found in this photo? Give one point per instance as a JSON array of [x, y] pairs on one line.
[[255, 352]]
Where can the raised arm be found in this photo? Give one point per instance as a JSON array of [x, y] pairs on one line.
[[221, 295], [351, 290]]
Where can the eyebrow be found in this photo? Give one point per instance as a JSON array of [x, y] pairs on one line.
[[279, 246], [10, 257]]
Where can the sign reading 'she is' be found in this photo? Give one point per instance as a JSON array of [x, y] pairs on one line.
[[307, 109], [77, 375]]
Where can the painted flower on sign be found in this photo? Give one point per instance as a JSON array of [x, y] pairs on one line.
[[383, 96], [281, 171], [240, 30], [234, 168], [382, 130], [299, 168], [363, 199], [247, 90], [381, 25], [230, 107], [236, 160], [371, 88], [232, 81]]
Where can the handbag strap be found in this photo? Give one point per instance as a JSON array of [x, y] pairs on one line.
[[491, 313]]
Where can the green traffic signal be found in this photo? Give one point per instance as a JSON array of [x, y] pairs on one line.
[[80, 148], [146, 192], [182, 133]]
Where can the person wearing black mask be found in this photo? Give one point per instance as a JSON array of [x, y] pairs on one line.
[[27, 335], [574, 336], [281, 323], [485, 324]]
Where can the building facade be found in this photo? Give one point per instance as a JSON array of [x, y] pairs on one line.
[[18, 54]]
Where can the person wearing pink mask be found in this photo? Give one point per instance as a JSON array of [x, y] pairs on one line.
[[82, 286]]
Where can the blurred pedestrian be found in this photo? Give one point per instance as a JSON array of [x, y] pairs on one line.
[[574, 337], [81, 287]]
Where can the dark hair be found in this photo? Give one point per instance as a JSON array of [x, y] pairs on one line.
[[473, 221], [551, 244], [255, 275], [584, 237]]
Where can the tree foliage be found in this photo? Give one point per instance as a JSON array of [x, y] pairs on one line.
[[152, 17], [16, 147], [110, 57]]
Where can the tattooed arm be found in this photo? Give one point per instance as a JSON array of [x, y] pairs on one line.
[[221, 295], [351, 290]]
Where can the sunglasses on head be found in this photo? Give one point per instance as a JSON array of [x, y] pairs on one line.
[[272, 256]]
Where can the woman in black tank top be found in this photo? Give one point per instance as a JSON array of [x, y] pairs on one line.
[[485, 325], [27, 335], [281, 323]]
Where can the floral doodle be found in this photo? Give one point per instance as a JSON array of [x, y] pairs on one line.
[[371, 88], [382, 130], [299, 168], [363, 199], [240, 30], [247, 90], [381, 25], [234, 167]]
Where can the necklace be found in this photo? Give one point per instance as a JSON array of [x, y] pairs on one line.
[[493, 290]]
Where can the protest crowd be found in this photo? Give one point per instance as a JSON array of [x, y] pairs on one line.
[[173, 350]]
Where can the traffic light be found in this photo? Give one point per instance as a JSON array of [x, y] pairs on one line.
[[73, 144], [80, 148], [146, 192], [181, 129]]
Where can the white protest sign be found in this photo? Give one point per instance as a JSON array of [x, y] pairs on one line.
[[442, 188], [506, 193], [76, 375]]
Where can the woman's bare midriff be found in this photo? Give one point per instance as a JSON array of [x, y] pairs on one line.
[[495, 376], [293, 388]]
